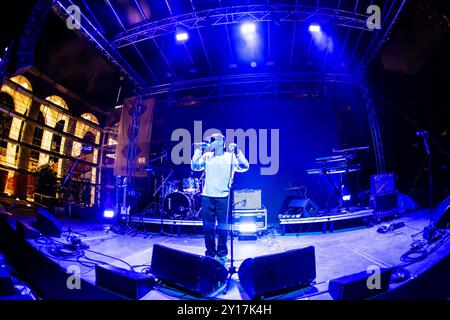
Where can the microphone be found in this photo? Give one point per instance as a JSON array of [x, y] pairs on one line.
[[421, 133], [201, 144], [86, 148]]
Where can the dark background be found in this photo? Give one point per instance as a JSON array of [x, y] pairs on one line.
[[309, 128]]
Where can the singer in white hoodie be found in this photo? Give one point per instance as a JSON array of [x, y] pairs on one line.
[[220, 166]]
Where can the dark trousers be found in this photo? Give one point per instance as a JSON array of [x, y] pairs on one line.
[[215, 209]]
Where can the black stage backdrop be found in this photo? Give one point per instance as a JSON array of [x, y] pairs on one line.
[[309, 127]]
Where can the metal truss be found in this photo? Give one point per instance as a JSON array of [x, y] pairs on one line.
[[380, 38], [27, 42], [248, 85], [374, 130], [232, 15], [107, 49]]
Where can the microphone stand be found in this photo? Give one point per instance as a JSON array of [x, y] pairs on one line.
[[68, 194], [430, 182], [232, 268]]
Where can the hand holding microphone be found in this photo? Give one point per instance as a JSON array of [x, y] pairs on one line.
[[233, 148], [201, 145]]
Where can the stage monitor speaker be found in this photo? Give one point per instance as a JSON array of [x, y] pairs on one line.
[[198, 275], [441, 215], [128, 283], [25, 231], [47, 223], [276, 273], [6, 283], [358, 286], [306, 207], [382, 183]]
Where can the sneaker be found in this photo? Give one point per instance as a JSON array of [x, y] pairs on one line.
[[222, 260]]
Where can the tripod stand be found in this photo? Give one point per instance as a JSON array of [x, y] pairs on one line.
[[68, 194], [429, 232]]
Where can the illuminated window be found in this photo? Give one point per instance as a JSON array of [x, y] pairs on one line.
[[90, 117], [22, 102], [58, 101], [141, 160]]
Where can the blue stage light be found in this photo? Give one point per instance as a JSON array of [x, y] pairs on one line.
[[314, 28], [108, 213], [347, 197], [182, 36], [253, 64], [248, 28]]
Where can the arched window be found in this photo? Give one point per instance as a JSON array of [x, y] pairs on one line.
[[22, 102], [58, 101], [90, 117]]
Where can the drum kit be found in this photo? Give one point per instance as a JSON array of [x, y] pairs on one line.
[[177, 199]]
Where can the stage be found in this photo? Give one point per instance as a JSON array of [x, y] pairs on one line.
[[341, 253]]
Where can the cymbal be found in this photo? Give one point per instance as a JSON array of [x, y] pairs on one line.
[[156, 169]]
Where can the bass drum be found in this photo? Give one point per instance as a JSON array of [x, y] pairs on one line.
[[178, 206]]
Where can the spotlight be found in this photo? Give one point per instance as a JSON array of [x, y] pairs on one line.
[[181, 36], [346, 197], [253, 64], [248, 28], [247, 228], [314, 28], [108, 213]]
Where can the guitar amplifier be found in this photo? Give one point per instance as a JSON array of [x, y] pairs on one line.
[[247, 199], [382, 183]]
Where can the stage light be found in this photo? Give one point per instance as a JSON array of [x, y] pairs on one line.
[[346, 197], [108, 213], [182, 36], [253, 64], [248, 28], [314, 28], [248, 228]]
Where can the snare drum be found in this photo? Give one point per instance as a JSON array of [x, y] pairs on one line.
[[191, 185]]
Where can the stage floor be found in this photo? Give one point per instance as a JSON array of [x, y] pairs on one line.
[[340, 253]]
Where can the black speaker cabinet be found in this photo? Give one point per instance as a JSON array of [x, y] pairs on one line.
[[47, 223], [355, 286], [6, 283], [25, 231], [198, 275], [305, 207], [441, 215], [272, 274], [385, 205], [133, 285]]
